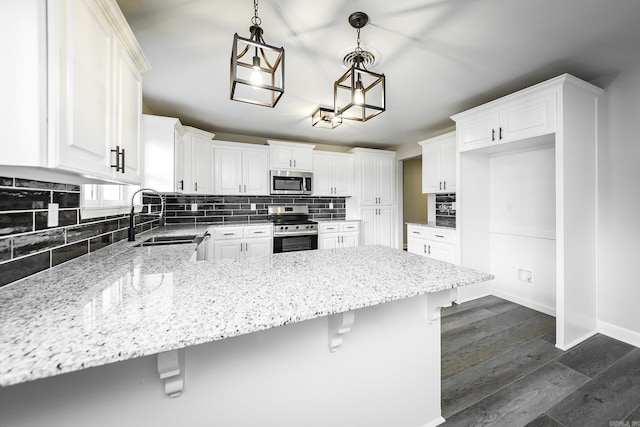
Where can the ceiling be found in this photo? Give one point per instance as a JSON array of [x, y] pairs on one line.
[[440, 57]]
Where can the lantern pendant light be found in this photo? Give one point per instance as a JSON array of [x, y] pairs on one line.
[[359, 94], [257, 69]]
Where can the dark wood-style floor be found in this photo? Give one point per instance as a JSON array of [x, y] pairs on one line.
[[500, 368]]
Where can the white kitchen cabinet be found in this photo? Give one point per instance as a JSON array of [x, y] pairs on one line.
[[164, 153], [241, 241], [291, 156], [198, 161], [81, 111], [439, 164], [526, 114], [332, 235], [332, 174], [377, 225], [375, 176], [435, 243], [240, 169]]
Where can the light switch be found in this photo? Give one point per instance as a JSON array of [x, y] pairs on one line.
[[53, 214]]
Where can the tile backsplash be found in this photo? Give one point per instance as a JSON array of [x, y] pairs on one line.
[[28, 245], [211, 209]]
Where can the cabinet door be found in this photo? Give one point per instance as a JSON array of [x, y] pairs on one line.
[[327, 241], [448, 165], [202, 152], [417, 246], [369, 223], [431, 168], [386, 180], [128, 110], [179, 161], [323, 175], [228, 249], [342, 176], [527, 118], [255, 172], [440, 251], [281, 158], [350, 240], [368, 180], [227, 170], [477, 132], [258, 246], [385, 226], [80, 87], [302, 159]]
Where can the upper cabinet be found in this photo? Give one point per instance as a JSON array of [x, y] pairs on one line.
[[164, 153], [439, 164], [241, 169], [374, 176], [82, 110], [332, 174], [291, 156], [520, 116], [198, 161]]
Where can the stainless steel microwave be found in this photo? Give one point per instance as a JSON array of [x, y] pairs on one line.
[[290, 182]]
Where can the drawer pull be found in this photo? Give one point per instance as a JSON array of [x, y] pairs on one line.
[[229, 234], [440, 236], [258, 232], [415, 232]]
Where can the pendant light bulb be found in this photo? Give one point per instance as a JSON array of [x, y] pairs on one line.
[[358, 93], [256, 75]]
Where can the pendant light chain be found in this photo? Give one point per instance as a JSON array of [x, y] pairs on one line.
[[256, 19]]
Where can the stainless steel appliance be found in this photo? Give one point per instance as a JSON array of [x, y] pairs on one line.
[[290, 182], [292, 229]]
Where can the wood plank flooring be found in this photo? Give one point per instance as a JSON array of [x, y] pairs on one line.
[[500, 367]]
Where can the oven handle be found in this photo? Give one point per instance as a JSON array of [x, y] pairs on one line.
[[302, 233]]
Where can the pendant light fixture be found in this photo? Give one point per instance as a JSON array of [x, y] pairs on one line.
[[359, 94], [257, 69], [325, 118]]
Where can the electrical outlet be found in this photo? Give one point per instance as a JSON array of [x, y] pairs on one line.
[[194, 207], [253, 206], [525, 276], [330, 205], [53, 215]]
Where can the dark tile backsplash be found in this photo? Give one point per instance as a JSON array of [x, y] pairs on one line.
[[213, 209], [28, 245]]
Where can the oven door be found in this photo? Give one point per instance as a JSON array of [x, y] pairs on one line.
[[294, 243]]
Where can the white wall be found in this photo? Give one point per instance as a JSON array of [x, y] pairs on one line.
[[619, 209], [522, 227]]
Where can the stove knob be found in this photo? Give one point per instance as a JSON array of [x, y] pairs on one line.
[[286, 228], [297, 227]]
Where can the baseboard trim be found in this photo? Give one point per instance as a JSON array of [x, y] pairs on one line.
[[461, 301], [575, 342], [532, 305], [619, 333], [434, 423]]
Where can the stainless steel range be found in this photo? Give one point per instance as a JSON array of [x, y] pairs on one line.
[[292, 229]]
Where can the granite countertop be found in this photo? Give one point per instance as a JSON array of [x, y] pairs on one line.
[[430, 224], [122, 302]]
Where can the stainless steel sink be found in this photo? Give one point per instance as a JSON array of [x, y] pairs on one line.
[[170, 240]]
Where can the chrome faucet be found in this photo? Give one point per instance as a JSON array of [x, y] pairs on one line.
[[132, 226]]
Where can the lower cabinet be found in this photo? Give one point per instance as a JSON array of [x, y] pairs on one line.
[[431, 242], [240, 242], [377, 225], [334, 235]]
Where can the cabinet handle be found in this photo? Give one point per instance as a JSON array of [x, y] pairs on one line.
[[415, 232], [290, 163], [294, 163], [239, 188], [425, 249], [182, 184], [119, 155], [439, 235], [229, 234], [241, 247], [258, 232], [500, 134], [445, 184], [195, 186], [429, 249], [493, 134], [245, 188], [246, 247], [440, 185]]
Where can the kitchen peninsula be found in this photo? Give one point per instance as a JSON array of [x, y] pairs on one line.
[[328, 337]]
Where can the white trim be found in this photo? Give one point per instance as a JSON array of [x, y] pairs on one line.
[[575, 342], [619, 333], [462, 301], [434, 423], [551, 311]]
